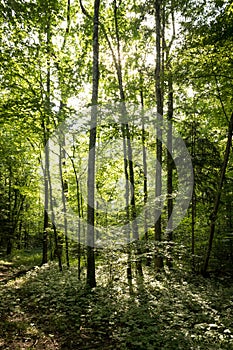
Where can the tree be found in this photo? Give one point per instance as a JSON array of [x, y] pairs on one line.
[[214, 213], [91, 281], [207, 72], [159, 107]]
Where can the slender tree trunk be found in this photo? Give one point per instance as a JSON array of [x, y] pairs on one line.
[[218, 196], [129, 266], [46, 205], [58, 247], [58, 241], [80, 212], [64, 189], [194, 200], [169, 168], [193, 225], [126, 133], [18, 208], [159, 103], [9, 238], [79, 231], [19, 235], [26, 236], [14, 215], [45, 123], [133, 202], [169, 157], [144, 160], [91, 280]]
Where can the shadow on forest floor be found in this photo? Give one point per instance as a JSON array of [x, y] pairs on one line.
[[5, 271], [47, 309], [17, 331]]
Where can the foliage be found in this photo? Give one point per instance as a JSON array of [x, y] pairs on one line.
[[168, 311], [46, 79]]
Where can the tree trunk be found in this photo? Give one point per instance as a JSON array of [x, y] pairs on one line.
[[9, 238], [58, 248], [45, 123], [46, 206], [129, 266], [159, 106], [80, 212], [194, 199], [91, 280], [64, 189], [144, 160], [19, 235], [169, 168], [126, 134]]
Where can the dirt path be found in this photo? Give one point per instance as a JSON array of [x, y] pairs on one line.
[[6, 270], [17, 329]]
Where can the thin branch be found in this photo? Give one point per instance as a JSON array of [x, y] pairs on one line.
[[84, 10], [219, 94], [105, 35], [67, 26]]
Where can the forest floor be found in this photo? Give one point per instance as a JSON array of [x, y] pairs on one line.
[[42, 308]]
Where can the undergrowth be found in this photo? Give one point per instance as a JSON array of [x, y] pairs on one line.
[[170, 310]]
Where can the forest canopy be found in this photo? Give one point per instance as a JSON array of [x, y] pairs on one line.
[[116, 171]]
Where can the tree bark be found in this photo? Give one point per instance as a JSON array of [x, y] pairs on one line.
[[64, 189], [45, 122], [58, 248], [144, 160], [80, 212], [129, 265], [169, 168], [91, 280], [126, 134], [159, 106], [194, 198], [46, 204]]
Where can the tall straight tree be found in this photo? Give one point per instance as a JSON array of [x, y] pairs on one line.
[[145, 179], [170, 110], [91, 280], [127, 135], [194, 197], [45, 123], [64, 187], [159, 108], [169, 163]]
